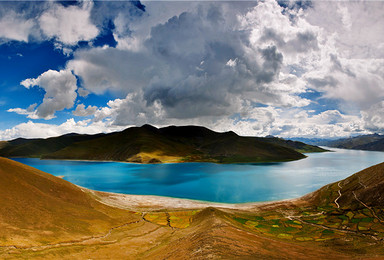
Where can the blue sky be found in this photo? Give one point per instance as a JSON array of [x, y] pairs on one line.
[[292, 69]]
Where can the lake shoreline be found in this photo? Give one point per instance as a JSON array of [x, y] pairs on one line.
[[161, 163], [207, 184], [158, 203]]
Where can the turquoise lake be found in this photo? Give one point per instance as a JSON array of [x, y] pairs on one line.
[[229, 183]]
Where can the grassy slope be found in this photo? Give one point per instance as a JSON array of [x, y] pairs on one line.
[[148, 144], [42, 210], [37, 208], [367, 185], [37, 147], [176, 144], [297, 146], [3, 144], [372, 142], [373, 146], [123, 146]]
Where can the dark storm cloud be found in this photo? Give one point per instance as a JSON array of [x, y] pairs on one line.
[[206, 65]]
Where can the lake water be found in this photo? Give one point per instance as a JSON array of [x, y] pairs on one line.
[[230, 183]]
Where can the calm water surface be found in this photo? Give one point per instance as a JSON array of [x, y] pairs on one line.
[[230, 183]]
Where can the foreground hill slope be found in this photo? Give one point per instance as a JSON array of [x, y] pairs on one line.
[[45, 217], [362, 190], [37, 207], [148, 144]]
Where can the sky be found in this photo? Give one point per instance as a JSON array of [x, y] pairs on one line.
[[311, 69]]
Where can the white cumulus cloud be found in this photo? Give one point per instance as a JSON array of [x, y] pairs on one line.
[[82, 111], [69, 25], [197, 64], [14, 26], [60, 92]]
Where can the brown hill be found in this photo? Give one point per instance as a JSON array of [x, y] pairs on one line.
[[45, 217], [362, 189], [37, 208]]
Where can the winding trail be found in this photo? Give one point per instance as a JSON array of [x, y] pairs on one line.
[[339, 191], [298, 218], [368, 207], [312, 215], [362, 184], [339, 230], [365, 205]]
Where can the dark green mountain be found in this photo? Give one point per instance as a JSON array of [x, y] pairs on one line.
[[374, 142], [296, 145], [148, 144], [21, 147], [373, 146]]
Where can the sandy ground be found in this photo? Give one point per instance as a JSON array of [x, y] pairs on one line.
[[149, 202]]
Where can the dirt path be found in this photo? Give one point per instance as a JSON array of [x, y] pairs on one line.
[[368, 207], [339, 191], [312, 215], [336, 229]]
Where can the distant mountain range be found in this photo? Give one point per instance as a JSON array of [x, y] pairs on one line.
[[148, 144], [372, 142], [314, 141]]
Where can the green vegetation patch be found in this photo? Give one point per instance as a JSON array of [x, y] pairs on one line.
[[241, 220], [314, 221], [367, 219], [289, 229], [327, 232], [275, 224]]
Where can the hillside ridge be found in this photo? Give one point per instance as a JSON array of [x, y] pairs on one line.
[[372, 142], [148, 144]]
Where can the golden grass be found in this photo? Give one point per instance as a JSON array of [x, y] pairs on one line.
[[45, 217], [154, 157]]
